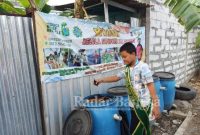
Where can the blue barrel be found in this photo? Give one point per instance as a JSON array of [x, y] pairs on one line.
[[159, 92], [103, 109], [121, 94], [167, 80]]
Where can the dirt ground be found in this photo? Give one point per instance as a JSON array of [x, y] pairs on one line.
[[194, 126], [166, 125]]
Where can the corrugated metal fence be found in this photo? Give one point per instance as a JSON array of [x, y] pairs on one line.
[[19, 103], [59, 98]]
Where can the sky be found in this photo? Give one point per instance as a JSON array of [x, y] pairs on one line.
[[59, 2]]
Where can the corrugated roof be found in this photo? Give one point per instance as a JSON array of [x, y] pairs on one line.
[[88, 3]]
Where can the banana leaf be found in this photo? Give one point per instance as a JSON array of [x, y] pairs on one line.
[[2, 11], [5, 6], [187, 13], [195, 2], [198, 41], [24, 3], [46, 8], [40, 4]]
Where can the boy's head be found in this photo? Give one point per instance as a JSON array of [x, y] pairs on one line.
[[128, 53]]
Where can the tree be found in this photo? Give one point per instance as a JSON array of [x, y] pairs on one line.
[[187, 12], [79, 10], [27, 6]]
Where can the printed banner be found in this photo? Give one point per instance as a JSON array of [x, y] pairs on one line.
[[69, 47]]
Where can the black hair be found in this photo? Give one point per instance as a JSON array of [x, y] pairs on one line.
[[128, 47]]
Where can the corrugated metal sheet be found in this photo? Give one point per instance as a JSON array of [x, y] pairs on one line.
[[59, 98], [19, 103]]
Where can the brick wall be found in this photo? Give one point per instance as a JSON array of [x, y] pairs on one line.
[[169, 48]]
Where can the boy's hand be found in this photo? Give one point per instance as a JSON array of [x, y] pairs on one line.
[[156, 111], [97, 81]]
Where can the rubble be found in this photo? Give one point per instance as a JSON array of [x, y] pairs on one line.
[[183, 105], [178, 114]]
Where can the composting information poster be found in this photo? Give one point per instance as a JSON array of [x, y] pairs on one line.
[[70, 47]]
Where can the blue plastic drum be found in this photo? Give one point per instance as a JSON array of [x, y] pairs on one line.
[[121, 94], [104, 114], [159, 92], [167, 80]]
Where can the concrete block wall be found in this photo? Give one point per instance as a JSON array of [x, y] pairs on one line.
[[169, 48]]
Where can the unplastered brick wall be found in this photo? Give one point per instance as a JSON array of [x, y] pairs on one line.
[[170, 49]]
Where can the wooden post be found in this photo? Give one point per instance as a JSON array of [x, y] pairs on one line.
[[106, 10]]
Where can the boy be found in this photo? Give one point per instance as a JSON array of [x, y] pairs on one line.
[[141, 92]]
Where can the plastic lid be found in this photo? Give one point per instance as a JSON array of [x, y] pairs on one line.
[[98, 100], [79, 122], [164, 75], [155, 78], [118, 91]]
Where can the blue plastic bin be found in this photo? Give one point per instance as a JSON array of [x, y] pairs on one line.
[[167, 80], [159, 92], [103, 108], [121, 94]]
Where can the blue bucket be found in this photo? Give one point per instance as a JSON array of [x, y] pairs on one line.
[[167, 80], [159, 92], [103, 110], [121, 94]]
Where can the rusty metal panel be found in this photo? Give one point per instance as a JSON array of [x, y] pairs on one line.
[[19, 102]]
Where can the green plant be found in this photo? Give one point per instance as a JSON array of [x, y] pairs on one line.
[[187, 12], [7, 7], [68, 13]]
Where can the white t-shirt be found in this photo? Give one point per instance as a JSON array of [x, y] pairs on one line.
[[140, 76]]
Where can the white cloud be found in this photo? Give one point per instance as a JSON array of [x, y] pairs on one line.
[[59, 2]]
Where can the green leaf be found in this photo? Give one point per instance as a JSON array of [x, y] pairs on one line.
[[167, 2], [10, 9], [46, 8], [172, 3], [187, 14], [67, 13], [2, 11], [8, 2], [195, 2], [40, 4], [24, 3], [179, 8], [198, 40]]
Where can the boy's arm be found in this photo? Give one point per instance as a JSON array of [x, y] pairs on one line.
[[155, 100], [152, 91], [148, 80], [109, 79]]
